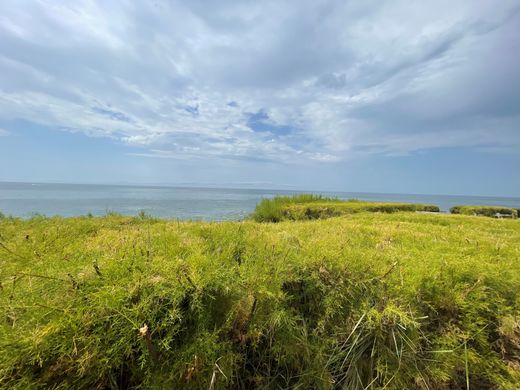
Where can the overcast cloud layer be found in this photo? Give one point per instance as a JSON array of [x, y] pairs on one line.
[[268, 81]]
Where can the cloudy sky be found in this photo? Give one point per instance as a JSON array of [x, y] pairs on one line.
[[384, 96]]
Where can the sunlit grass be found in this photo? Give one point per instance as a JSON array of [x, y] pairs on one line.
[[307, 206], [366, 300]]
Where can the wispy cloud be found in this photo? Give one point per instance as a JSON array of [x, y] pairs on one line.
[[307, 81], [4, 133]]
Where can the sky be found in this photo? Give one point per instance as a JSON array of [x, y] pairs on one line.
[[377, 96]]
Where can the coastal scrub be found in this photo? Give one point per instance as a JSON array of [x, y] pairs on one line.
[[365, 300]]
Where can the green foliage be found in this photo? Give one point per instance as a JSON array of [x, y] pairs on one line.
[[303, 207], [37, 216], [371, 300], [144, 216], [271, 210], [487, 211]]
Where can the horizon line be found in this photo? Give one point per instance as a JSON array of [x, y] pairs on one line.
[[225, 187]]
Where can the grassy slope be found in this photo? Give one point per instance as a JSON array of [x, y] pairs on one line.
[[305, 207], [404, 300]]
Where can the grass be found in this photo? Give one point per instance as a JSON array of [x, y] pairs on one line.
[[272, 209], [366, 300], [487, 211], [304, 207]]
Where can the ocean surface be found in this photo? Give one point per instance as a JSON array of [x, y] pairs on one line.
[[27, 199]]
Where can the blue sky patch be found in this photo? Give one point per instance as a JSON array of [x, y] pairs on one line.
[[193, 110], [261, 123]]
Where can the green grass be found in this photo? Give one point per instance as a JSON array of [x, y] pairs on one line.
[[366, 300], [487, 211], [304, 207], [271, 209]]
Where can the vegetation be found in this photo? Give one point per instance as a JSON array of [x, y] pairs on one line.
[[367, 300], [303, 207], [487, 211], [271, 209]]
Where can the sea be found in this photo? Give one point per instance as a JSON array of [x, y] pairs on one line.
[[185, 203]]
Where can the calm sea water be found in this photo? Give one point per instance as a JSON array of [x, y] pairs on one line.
[[26, 199]]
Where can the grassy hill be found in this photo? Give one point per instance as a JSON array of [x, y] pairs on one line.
[[366, 300]]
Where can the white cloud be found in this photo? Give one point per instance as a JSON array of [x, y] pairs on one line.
[[334, 79], [4, 133]]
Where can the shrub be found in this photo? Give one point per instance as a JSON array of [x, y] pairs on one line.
[[271, 210], [455, 209], [304, 207], [487, 211]]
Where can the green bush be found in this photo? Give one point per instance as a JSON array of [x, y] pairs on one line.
[[455, 209], [271, 210], [487, 211]]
